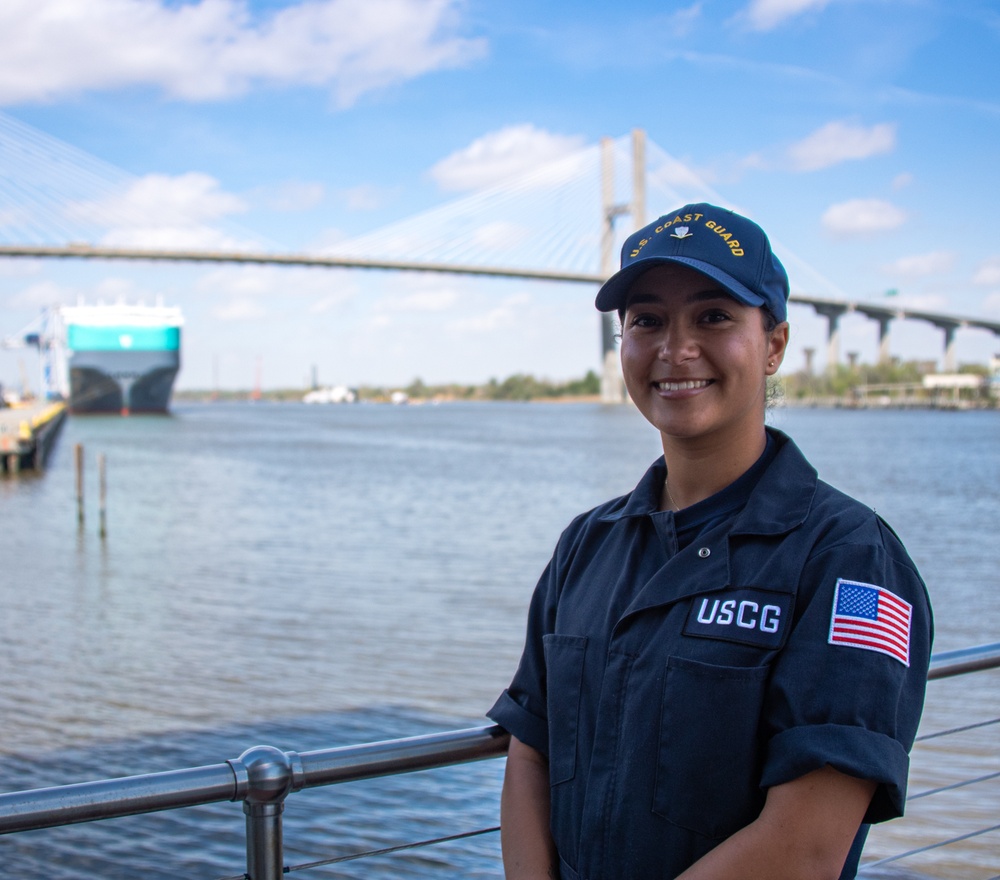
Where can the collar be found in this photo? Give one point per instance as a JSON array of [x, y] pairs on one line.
[[780, 501], [783, 497]]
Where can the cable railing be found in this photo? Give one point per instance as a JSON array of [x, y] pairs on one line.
[[264, 776]]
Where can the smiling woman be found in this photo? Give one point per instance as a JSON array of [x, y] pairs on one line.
[[687, 704]]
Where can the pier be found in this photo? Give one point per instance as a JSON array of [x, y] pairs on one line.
[[27, 434]]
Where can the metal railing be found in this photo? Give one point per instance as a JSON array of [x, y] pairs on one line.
[[263, 776]]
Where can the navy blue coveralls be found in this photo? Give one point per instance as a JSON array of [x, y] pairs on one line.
[[678, 665]]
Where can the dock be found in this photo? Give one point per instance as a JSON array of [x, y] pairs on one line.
[[27, 434]]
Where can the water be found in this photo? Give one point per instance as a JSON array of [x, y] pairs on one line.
[[314, 576]]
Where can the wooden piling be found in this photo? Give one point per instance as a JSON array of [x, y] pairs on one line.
[[78, 459], [103, 484]]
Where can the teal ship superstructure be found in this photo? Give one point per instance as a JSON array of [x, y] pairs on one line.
[[121, 358]]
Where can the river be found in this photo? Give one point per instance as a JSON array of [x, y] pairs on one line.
[[307, 577]]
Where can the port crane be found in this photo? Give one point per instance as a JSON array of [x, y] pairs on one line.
[[46, 334]]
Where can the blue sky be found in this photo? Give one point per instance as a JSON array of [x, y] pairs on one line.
[[862, 134]]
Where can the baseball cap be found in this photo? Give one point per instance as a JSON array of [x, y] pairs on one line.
[[719, 243]]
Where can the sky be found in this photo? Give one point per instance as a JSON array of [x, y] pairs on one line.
[[861, 134]]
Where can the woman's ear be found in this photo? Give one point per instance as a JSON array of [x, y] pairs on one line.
[[777, 345]]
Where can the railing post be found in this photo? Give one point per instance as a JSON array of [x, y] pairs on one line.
[[264, 777], [265, 843]]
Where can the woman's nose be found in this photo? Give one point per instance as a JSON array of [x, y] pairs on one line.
[[677, 345]]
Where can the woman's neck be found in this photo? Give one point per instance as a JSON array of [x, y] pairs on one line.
[[699, 469]]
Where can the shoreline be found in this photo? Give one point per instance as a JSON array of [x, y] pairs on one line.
[[830, 403]]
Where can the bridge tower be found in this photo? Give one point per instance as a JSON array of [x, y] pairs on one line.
[[612, 386]]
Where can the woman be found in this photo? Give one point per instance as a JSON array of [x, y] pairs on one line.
[[724, 669]]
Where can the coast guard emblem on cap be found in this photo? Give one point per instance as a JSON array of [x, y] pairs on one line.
[[871, 618], [680, 232]]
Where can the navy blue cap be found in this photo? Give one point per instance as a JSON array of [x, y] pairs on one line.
[[730, 249]]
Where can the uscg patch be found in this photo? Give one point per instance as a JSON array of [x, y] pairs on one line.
[[748, 616]]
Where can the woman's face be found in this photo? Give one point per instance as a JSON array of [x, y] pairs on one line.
[[695, 360]]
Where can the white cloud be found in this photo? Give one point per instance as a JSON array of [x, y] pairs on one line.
[[10, 218], [988, 272], [753, 161], [500, 234], [921, 265], [841, 141], [927, 302], [765, 15], [218, 49], [501, 154], [331, 301], [862, 217], [43, 294], [161, 200], [427, 301], [106, 290], [243, 290], [326, 241], [160, 211], [992, 303], [901, 181], [20, 268], [239, 310], [363, 197], [682, 22], [672, 173], [419, 292], [501, 317], [115, 289], [195, 238]]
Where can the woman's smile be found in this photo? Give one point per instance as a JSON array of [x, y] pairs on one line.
[[671, 385]]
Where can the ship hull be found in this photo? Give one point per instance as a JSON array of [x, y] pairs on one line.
[[121, 381]]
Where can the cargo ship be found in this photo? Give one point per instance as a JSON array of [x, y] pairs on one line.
[[121, 358]]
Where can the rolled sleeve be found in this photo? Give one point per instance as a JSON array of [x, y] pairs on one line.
[[519, 722], [855, 709], [857, 752]]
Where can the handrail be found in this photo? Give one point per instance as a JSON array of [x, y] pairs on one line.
[[115, 798], [263, 776], [948, 663]]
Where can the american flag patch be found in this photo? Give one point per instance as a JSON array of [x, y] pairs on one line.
[[870, 617]]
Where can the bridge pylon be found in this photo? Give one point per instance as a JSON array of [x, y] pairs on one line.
[[612, 385]]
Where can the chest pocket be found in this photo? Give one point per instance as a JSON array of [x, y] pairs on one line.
[[564, 656], [709, 757]]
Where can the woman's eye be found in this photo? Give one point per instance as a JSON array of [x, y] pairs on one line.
[[643, 320], [715, 316]]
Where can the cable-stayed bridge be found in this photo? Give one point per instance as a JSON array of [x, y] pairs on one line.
[[555, 223]]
